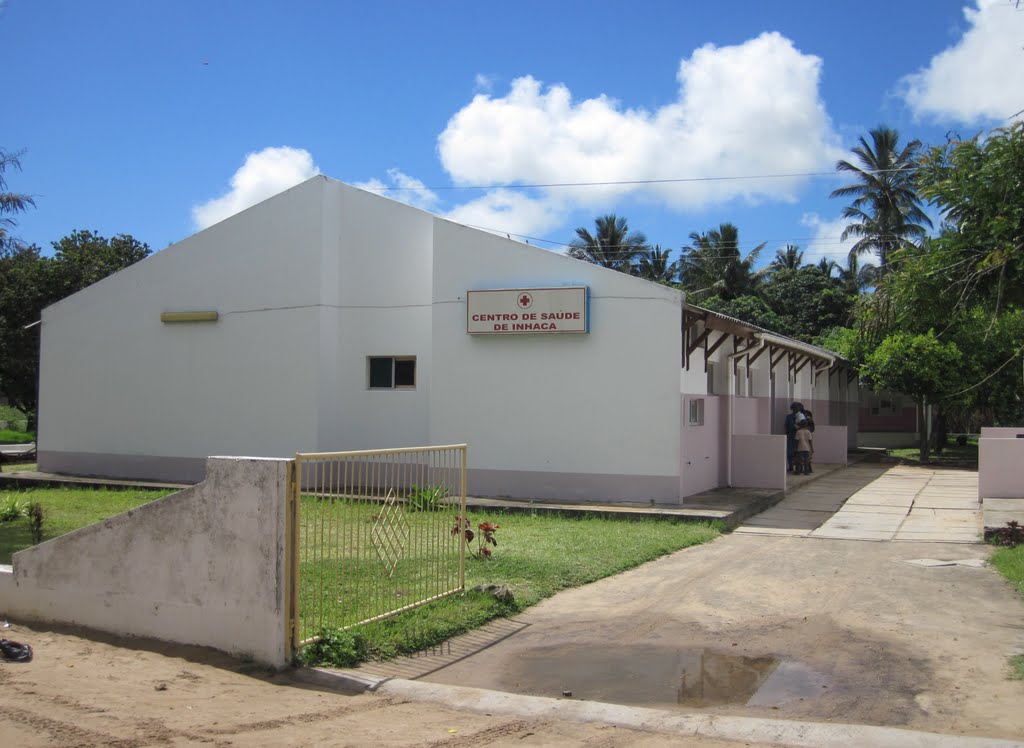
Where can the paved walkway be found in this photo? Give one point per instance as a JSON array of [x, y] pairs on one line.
[[876, 502]]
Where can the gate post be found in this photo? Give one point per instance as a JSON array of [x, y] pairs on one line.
[[291, 564]]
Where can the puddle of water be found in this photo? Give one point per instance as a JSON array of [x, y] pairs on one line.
[[662, 676]]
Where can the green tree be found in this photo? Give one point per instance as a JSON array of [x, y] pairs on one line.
[[656, 264], [750, 309], [612, 245], [978, 185], [29, 282], [82, 258], [886, 211], [920, 366], [24, 291], [807, 301], [713, 265]]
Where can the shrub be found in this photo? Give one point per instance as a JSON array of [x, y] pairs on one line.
[[1009, 536], [337, 647], [426, 499]]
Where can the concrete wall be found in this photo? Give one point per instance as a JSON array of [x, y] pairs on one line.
[[702, 453], [1001, 432], [752, 415], [123, 394], [204, 566], [759, 461], [1000, 464], [830, 444], [375, 295], [593, 416]]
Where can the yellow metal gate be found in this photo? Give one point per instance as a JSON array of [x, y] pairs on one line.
[[370, 535]]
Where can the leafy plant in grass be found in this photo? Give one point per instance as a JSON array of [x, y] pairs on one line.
[[484, 536], [426, 499], [341, 648], [12, 508]]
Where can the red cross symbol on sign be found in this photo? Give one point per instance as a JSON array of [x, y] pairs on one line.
[[525, 300]]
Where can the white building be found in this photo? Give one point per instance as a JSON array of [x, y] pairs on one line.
[[328, 318]]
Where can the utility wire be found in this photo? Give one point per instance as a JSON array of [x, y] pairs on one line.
[[626, 182]]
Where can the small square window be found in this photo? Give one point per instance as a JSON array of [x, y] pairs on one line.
[[392, 372], [695, 415]]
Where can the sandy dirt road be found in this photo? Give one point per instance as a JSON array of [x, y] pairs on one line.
[[87, 691], [860, 636]]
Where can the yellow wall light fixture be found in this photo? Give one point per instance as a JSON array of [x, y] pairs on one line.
[[205, 316]]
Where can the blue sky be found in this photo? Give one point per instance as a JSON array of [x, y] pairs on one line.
[[156, 119]]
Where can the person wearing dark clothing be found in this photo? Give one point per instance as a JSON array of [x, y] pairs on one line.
[[794, 410]]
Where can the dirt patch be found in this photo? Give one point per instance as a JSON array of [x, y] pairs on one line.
[[87, 690]]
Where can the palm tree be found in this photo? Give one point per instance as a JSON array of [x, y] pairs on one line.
[[886, 210], [789, 258], [857, 278], [654, 265], [827, 266], [10, 202], [713, 265], [613, 245]]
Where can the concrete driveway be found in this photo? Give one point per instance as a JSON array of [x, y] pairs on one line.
[[801, 624], [902, 503]]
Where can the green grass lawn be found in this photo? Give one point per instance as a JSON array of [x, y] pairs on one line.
[[7, 436], [536, 556], [11, 436], [18, 467], [952, 452], [1010, 563], [67, 509]]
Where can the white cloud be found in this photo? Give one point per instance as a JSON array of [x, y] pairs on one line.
[[403, 188], [827, 240], [483, 82], [980, 77], [744, 110], [264, 174], [509, 211]]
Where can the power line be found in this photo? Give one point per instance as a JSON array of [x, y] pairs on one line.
[[624, 182]]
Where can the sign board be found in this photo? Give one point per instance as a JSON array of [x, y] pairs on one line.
[[521, 311]]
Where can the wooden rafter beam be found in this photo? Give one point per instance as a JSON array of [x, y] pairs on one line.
[[752, 359], [698, 341], [717, 343]]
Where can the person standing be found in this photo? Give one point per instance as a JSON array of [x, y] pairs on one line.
[[794, 410], [804, 447]]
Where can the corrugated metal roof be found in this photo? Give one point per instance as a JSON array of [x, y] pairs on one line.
[[797, 344]]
